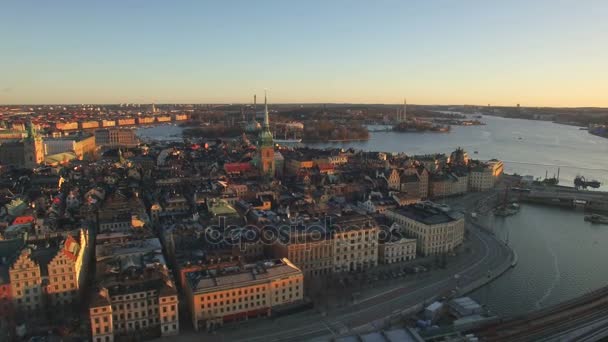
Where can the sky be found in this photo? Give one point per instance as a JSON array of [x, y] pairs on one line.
[[532, 52]]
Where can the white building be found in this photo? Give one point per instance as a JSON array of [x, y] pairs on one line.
[[436, 230], [396, 247]]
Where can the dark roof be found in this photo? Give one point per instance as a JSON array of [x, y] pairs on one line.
[[428, 214]]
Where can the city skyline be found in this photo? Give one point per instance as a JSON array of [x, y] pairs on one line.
[[542, 53]]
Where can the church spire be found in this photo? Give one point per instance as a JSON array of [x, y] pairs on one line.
[[266, 117], [31, 130]]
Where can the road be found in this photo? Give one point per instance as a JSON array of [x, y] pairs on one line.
[[487, 254]]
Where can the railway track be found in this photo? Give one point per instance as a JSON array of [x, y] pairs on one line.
[[552, 321]]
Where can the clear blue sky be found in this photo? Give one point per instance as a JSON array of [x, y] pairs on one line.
[[535, 52]]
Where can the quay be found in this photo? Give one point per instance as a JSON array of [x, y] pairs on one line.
[[562, 196]]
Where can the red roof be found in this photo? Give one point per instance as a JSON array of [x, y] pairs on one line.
[[70, 247], [23, 219], [237, 167], [325, 166]]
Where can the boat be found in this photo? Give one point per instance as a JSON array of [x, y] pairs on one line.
[[475, 152], [506, 208], [581, 183], [287, 141], [595, 218], [504, 211]]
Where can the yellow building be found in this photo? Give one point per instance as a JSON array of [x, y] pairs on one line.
[[67, 270], [293, 165], [26, 283], [50, 274], [484, 175], [240, 293]]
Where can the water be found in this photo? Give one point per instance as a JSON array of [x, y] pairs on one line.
[[167, 132], [560, 255], [543, 147]]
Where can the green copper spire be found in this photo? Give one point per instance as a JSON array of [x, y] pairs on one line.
[[266, 116], [265, 137], [31, 131]]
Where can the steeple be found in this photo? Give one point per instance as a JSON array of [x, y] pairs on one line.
[[265, 134], [266, 117], [31, 131], [266, 145]]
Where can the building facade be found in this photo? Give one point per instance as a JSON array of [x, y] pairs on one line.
[[355, 243], [116, 137], [242, 292], [311, 251], [484, 176], [436, 230], [83, 146]]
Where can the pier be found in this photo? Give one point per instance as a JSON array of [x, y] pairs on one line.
[[565, 197]]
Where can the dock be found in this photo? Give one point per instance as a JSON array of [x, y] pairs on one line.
[[566, 197]]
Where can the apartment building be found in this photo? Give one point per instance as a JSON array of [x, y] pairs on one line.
[[394, 247], [238, 293], [136, 295], [49, 272], [484, 175], [308, 247], [355, 242], [436, 229]]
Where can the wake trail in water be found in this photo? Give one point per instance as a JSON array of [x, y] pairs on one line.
[[556, 278]]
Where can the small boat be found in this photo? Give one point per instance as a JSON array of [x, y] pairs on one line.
[[507, 210], [475, 152], [519, 138], [595, 218], [287, 141]]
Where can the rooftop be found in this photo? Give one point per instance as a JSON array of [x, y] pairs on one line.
[[429, 213], [213, 280]]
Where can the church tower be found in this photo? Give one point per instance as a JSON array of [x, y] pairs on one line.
[[266, 145], [33, 149]]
